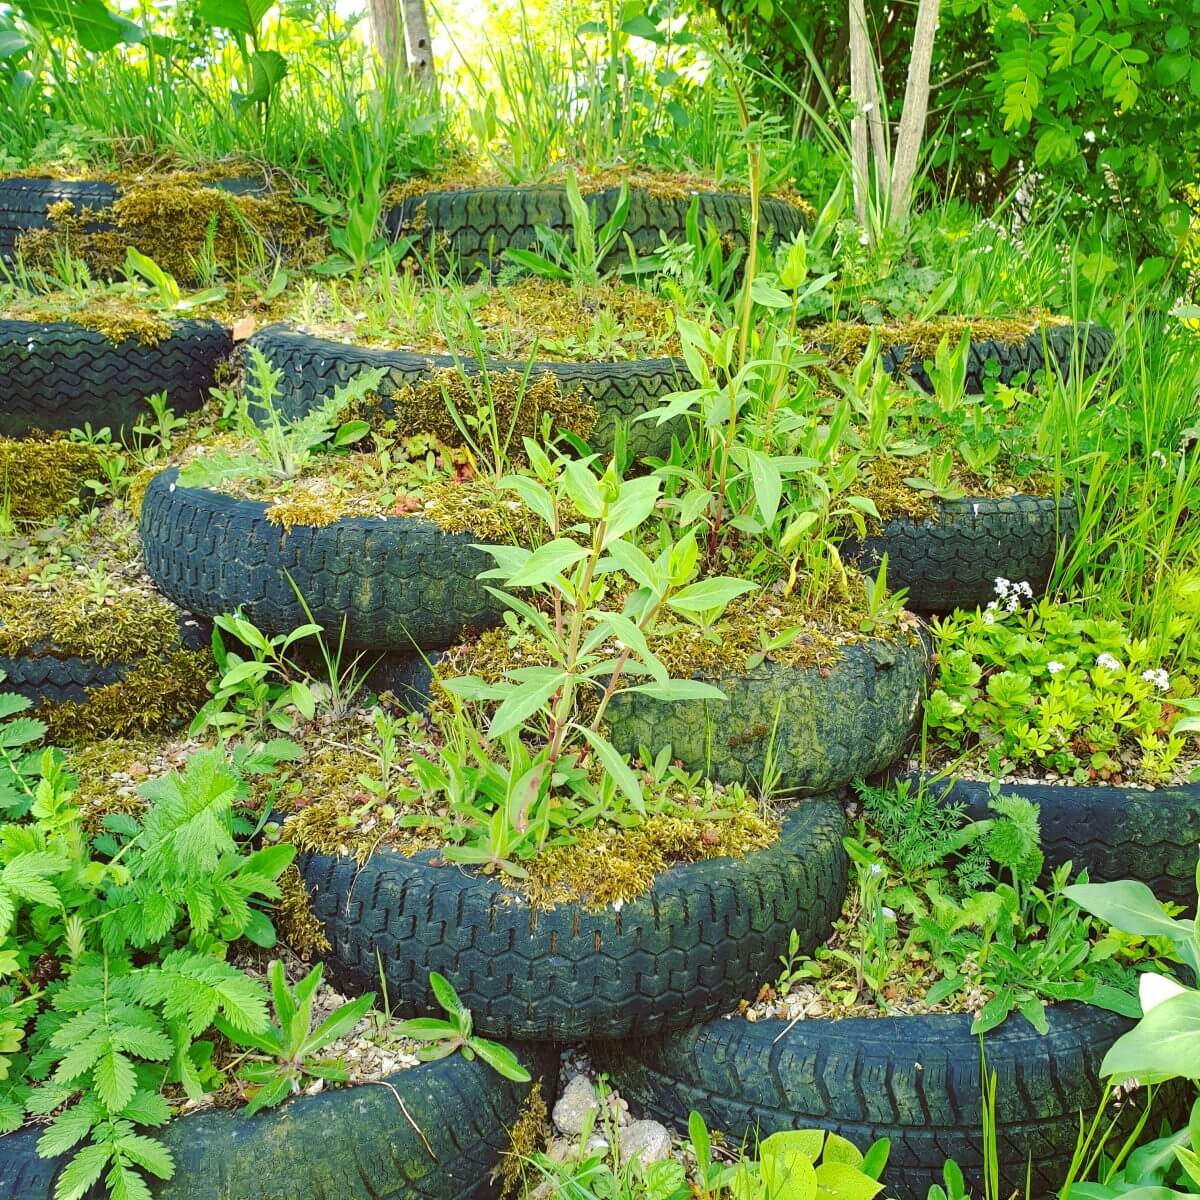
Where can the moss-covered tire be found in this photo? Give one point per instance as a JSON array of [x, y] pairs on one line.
[[1061, 347], [398, 582], [25, 202], [313, 367], [953, 560], [819, 726], [1149, 834], [914, 1080], [57, 376], [705, 935], [354, 1143], [476, 225], [48, 676]]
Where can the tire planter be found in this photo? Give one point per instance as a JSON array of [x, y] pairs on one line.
[[313, 367], [824, 727], [954, 560], [1049, 346], [57, 375], [399, 582], [703, 936], [47, 676], [342, 1144], [478, 224], [914, 1080], [24, 202], [1149, 834]]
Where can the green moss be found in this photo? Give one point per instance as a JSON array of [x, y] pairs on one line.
[[42, 477], [161, 694], [114, 628], [294, 917], [107, 773], [529, 1135], [179, 222], [845, 341], [117, 317]]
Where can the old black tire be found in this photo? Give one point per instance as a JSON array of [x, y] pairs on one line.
[[821, 726], [914, 1080], [47, 676], [705, 935], [399, 582], [343, 1144], [57, 376], [25, 201], [1149, 834], [953, 560], [313, 367], [478, 224], [1060, 347]]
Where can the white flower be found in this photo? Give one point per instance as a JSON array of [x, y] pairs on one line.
[[1002, 586], [1158, 677], [863, 239], [1054, 667], [1107, 661], [1154, 989], [876, 869], [1159, 457], [989, 616], [1089, 135], [888, 913]]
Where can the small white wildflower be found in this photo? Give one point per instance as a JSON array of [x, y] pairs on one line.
[[1054, 667], [989, 616], [1107, 661], [888, 913], [1158, 677], [1159, 457], [863, 239], [1002, 586], [1023, 589], [1089, 135], [618, 905], [876, 869]]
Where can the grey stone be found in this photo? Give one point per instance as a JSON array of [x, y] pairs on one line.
[[575, 1105], [647, 1141]]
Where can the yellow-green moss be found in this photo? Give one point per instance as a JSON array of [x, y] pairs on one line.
[[103, 772], [530, 1134], [294, 917], [121, 626], [162, 693], [40, 478], [179, 222], [845, 341], [116, 316]]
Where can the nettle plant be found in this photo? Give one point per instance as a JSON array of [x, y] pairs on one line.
[[592, 599], [113, 959], [1052, 688]]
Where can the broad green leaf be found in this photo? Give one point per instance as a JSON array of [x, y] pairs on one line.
[[614, 763], [114, 1079], [523, 701], [547, 562], [583, 490], [238, 16], [81, 1172], [444, 993], [840, 1180], [1165, 1043], [92, 25], [709, 595], [501, 1059], [632, 506], [1129, 906], [679, 689], [340, 1023]]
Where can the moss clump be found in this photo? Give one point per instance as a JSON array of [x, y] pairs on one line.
[[42, 477], [295, 918], [74, 623], [180, 223], [605, 866], [530, 1134], [107, 774], [845, 342], [160, 694], [116, 317], [427, 407]]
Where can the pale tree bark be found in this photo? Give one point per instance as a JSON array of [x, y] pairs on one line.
[[420, 44], [387, 35], [861, 69], [916, 108]]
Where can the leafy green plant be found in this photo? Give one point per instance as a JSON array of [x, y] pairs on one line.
[[261, 691], [1053, 687], [279, 449], [578, 259], [445, 1037], [284, 1051], [20, 756], [138, 920]]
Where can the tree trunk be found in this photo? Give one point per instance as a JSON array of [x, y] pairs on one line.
[[916, 108], [860, 95], [420, 44], [387, 35]]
